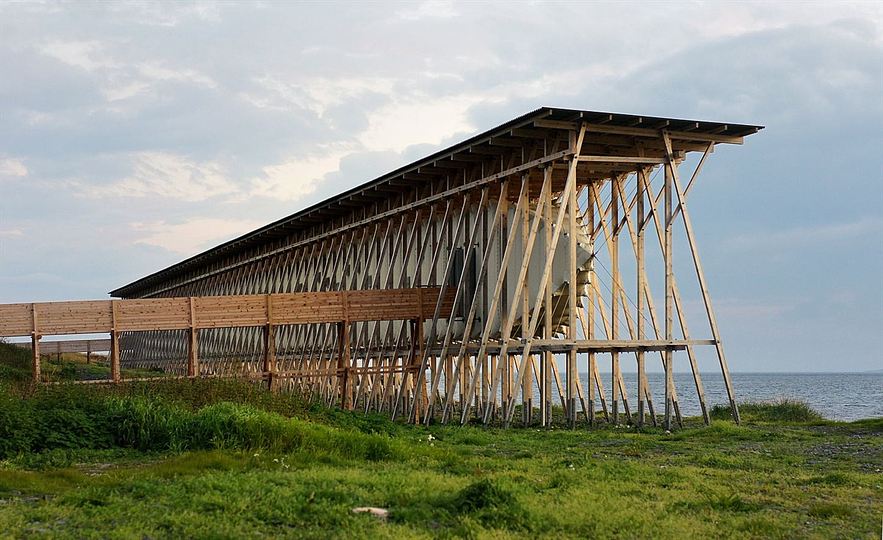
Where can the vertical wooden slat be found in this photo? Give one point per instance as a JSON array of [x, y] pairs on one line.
[[192, 343], [35, 343], [114, 343]]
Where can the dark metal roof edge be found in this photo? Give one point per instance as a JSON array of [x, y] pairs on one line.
[[535, 114]]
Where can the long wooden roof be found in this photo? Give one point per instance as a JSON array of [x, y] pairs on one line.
[[536, 125]]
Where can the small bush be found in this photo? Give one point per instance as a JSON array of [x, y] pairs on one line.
[[721, 502], [491, 505], [144, 424], [730, 502], [17, 426], [785, 410], [15, 364], [228, 425]]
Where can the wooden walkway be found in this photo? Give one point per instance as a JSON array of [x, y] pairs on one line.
[[195, 313]]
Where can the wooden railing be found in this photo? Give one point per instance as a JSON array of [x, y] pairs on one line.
[[87, 346], [195, 313]]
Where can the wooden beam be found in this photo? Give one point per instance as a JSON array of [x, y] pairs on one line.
[[623, 159], [700, 275]]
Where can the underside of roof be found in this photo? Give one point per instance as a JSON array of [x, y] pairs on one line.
[[544, 124]]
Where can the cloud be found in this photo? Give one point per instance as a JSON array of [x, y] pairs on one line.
[[817, 235], [157, 72], [192, 235], [86, 55], [11, 233], [160, 174], [12, 168], [297, 177], [316, 94], [418, 120], [429, 9]]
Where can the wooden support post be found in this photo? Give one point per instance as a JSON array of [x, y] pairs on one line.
[[572, 374], [419, 346], [569, 185], [589, 322], [35, 344], [548, 357], [526, 362], [639, 256], [700, 275], [669, 297], [88, 352], [192, 344], [114, 343], [343, 359], [691, 356], [269, 364], [406, 380], [343, 365], [614, 299], [507, 318]]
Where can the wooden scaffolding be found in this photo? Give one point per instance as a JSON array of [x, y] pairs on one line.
[[536, 235]]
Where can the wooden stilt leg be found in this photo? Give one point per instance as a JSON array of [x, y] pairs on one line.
[[639, 256], [669, 322]]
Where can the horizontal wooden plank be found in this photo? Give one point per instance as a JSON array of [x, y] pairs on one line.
[[15, 320], [99, 316]]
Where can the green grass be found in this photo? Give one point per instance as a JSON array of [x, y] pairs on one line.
[[784, 410], [227, 459]]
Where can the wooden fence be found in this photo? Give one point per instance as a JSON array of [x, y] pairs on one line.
[[195, 313], [87, 346]]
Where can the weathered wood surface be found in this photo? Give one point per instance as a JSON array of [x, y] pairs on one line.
[[99, 316]]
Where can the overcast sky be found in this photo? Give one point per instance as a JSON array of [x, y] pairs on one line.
[[133, 136]]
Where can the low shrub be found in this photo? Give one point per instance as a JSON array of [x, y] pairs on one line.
[[77, 417], [490, 504], [144, 424], [784, 410], [15, 363], [17, 425], [230, 425]]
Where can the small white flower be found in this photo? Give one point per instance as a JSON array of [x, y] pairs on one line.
[[257, 455], [430, 438], [275, 460]]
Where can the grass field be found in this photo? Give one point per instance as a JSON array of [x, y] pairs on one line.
[[172, 459]]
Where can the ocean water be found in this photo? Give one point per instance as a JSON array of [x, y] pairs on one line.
[[837, 396]]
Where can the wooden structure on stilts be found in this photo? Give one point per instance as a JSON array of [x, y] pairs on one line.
[[545, 242]]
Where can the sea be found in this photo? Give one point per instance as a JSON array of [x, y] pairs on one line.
[[837, 396]]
